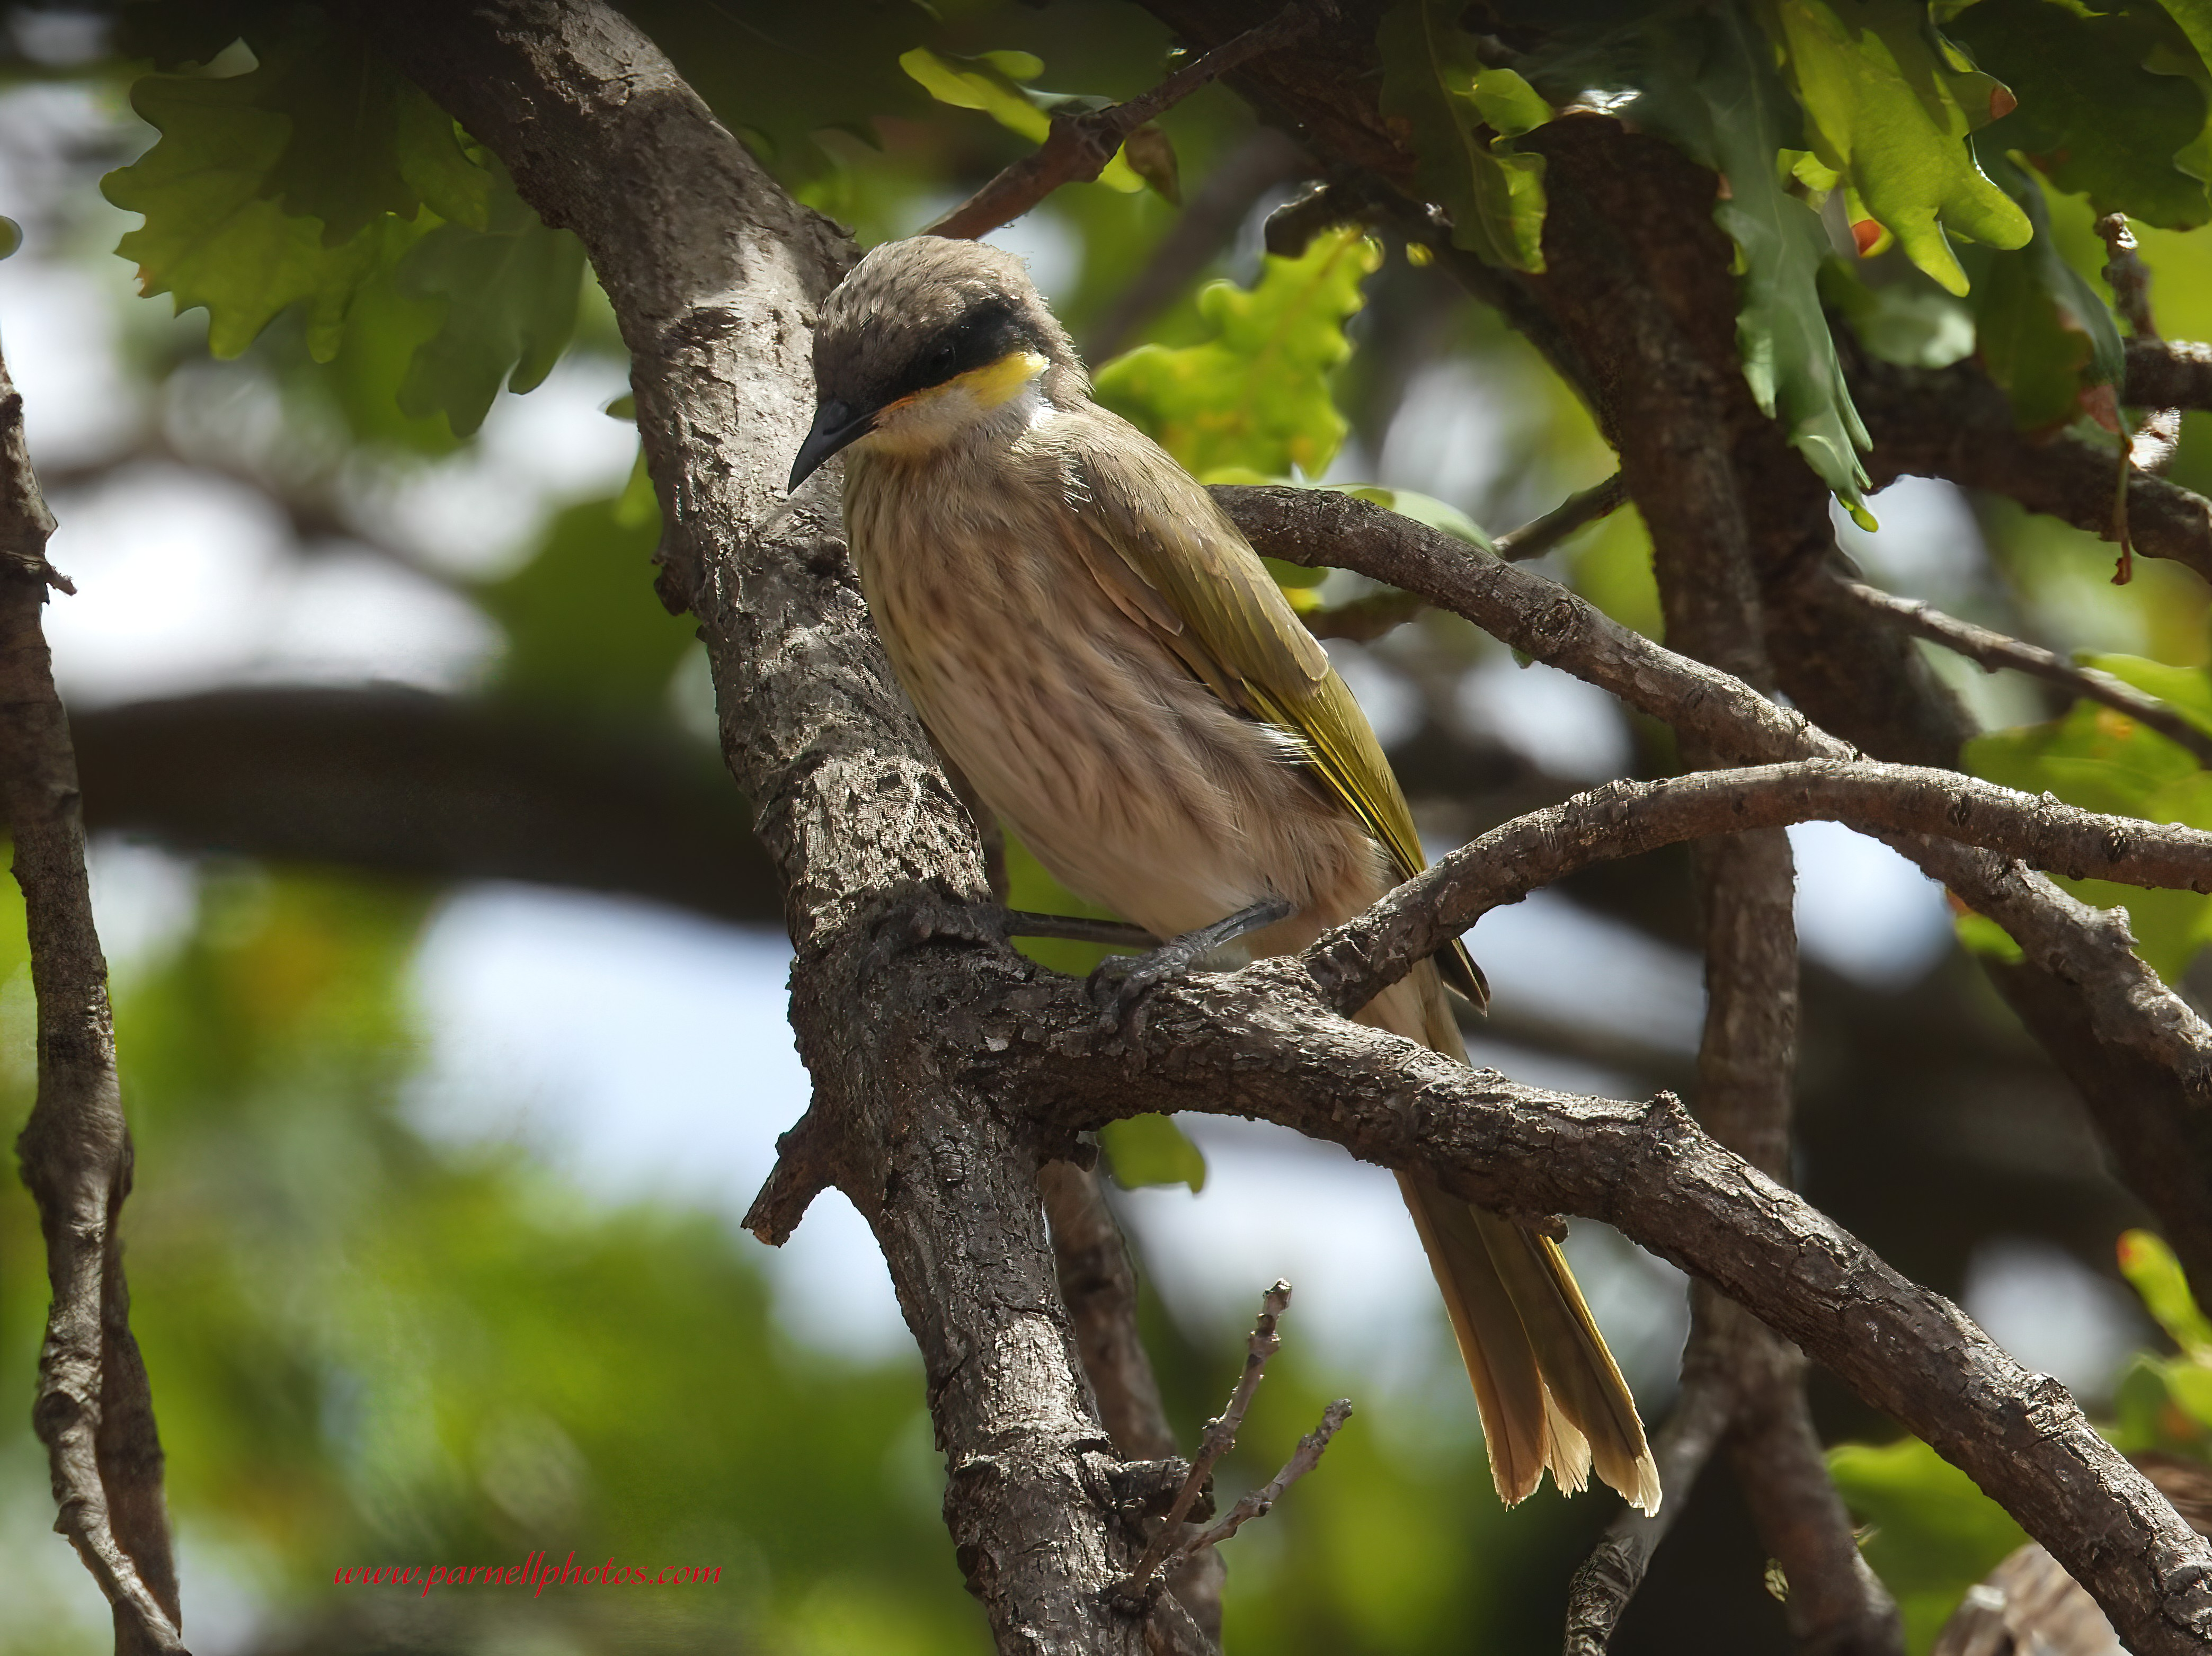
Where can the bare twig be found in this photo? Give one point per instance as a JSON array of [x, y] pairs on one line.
[[1534, 539], [1261, 1501], [94, 1409], [1993, 650], [1220, 1434], [1610, 1577], [1078, 147]]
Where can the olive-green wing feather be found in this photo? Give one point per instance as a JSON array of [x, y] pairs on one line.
[[1172, 561]]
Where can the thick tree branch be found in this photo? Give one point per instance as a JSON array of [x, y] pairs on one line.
[[1247, 1044], [2168, 373], [1954, 423], [94, 1409], [714, 275], [436, 787], [2118, 1018]]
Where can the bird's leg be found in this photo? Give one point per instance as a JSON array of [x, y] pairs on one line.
[[930, 916], [1117, 985], [1114, 934]]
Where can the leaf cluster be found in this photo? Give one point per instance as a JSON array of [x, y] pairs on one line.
[[296, 168]]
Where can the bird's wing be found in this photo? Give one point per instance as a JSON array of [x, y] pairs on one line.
[[1171, 560]]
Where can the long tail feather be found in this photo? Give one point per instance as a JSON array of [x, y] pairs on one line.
[[1550, 1394]]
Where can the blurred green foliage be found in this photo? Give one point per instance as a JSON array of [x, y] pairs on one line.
[[367, 1350], [1255, 398]]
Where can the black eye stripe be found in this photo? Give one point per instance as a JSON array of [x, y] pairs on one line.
[[978, 339]]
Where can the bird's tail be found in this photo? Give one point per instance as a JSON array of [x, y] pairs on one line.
[[1550, 1393]]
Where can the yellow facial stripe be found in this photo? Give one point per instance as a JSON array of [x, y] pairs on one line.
[[996, 382]]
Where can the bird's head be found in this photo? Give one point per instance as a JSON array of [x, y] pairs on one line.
[[924, 341]]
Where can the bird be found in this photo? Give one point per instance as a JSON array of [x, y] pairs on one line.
[[1092, 643]]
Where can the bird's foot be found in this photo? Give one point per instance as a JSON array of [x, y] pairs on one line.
[[1118, 985], [929, 916]]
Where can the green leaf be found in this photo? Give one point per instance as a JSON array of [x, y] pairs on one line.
[[992, 83], [1884, 106], [2091, 116], [1151, 1149], [1911, 324], [2187, 690], [2043, 332], [1433, 81], [2153, 1271], [1705, 82], [214, 234], [510, 294], [1936, 1534], [428, 148], [2103, 760], [980, 83], [1255, 394]]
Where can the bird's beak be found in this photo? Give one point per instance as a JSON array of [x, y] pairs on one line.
[[834, 425]]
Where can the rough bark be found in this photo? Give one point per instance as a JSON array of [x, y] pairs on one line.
[[94, 1409], [715, 273], [946, 1072]]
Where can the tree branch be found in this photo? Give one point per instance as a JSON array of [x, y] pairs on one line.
[[94, 1409], [442, 787], [1954, 423], [715, 276], [1610, 1577], [1358, 960], [1534, 539], [1992, 649], [1078, 147], [1249, 1044], [2168, 373], [2117, 1018]]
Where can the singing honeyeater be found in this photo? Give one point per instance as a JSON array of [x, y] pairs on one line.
[[1091, 641]]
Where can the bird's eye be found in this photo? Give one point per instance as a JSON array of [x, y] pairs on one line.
[[942, 361]]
